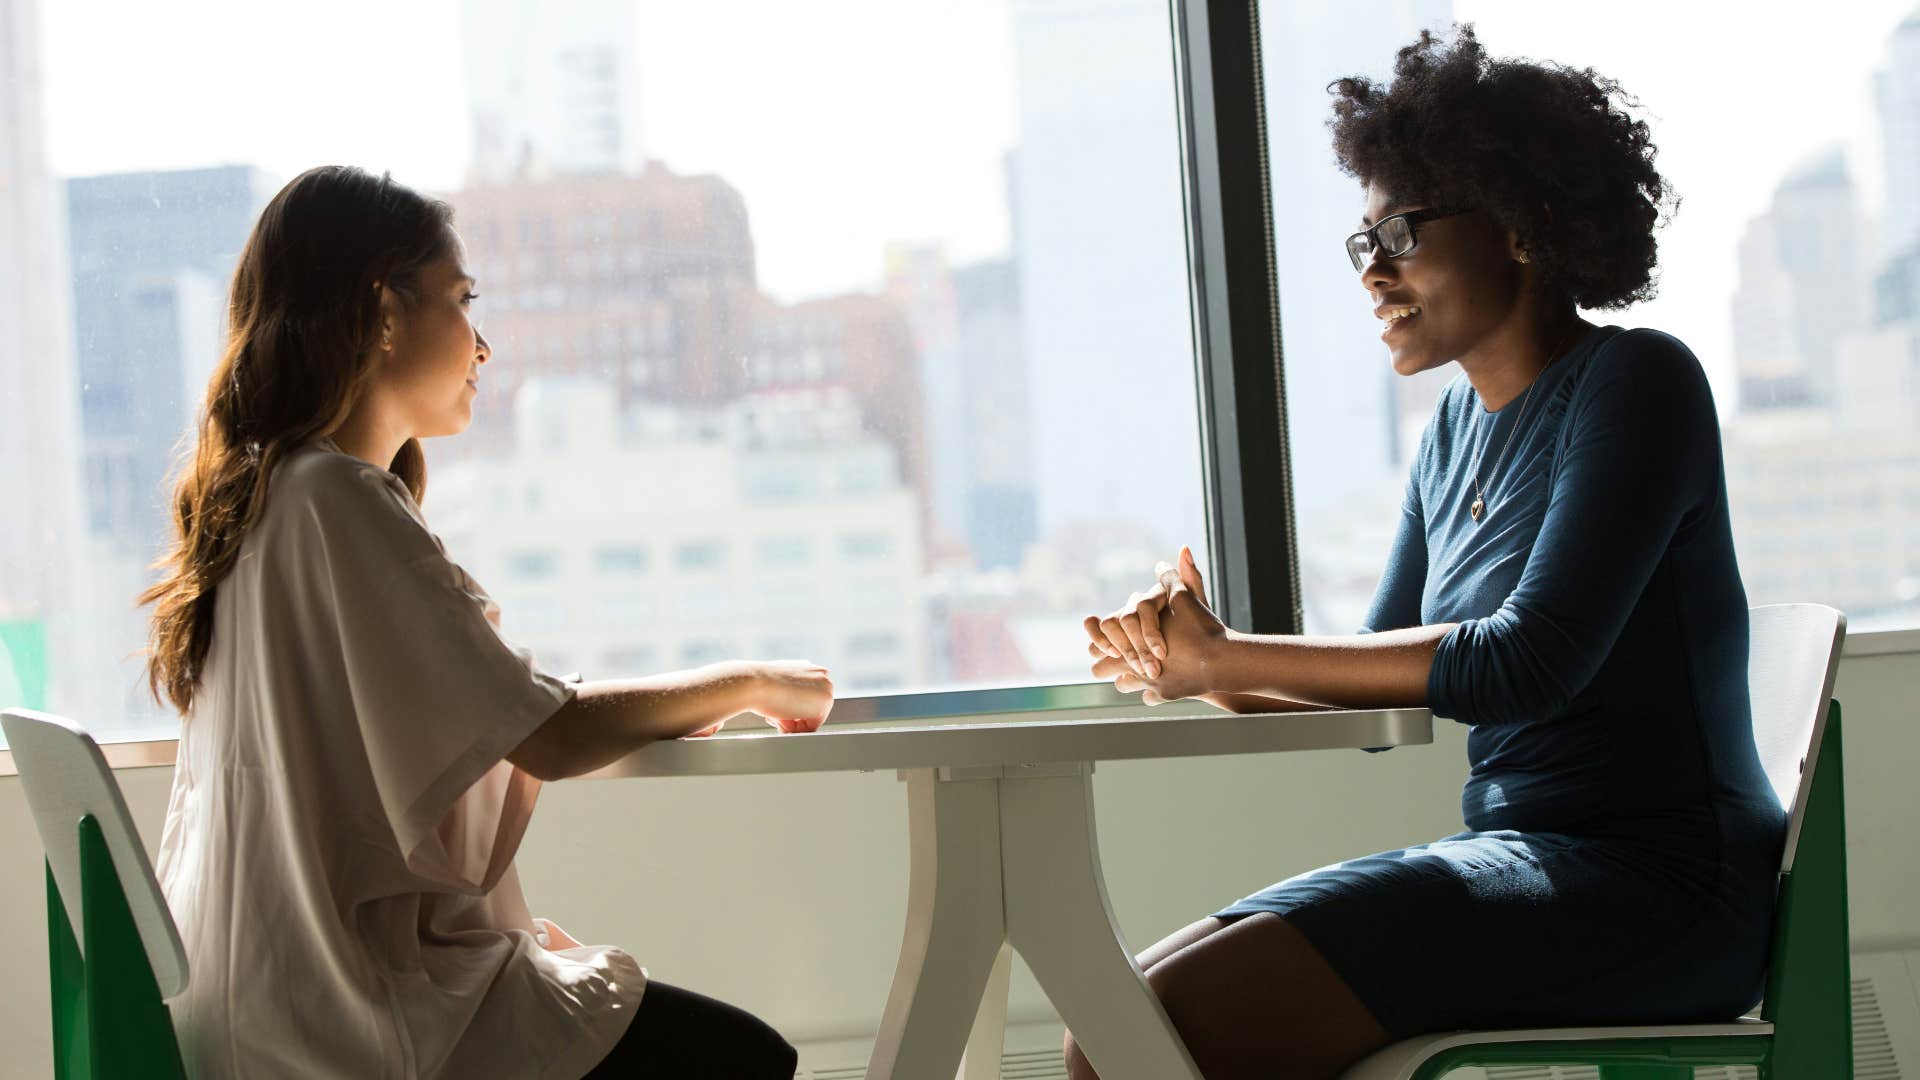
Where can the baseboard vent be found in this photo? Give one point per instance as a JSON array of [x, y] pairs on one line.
[[1032, 1053], [1018, 1065]]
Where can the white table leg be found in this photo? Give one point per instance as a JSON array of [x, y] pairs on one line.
[[1058, 917], [954, 926], [988, 1043]]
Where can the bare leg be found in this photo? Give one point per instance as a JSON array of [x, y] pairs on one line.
[[1078, 1067], [1254, 999]]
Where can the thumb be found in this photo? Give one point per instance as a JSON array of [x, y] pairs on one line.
[[1190, 575]]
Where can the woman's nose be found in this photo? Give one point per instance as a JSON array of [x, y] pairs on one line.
[[482, 351], [1378, 274]]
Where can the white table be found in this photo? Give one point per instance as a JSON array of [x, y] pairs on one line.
[[1004, 857]]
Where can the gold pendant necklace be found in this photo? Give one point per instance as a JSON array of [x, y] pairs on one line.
[[1479, 507]]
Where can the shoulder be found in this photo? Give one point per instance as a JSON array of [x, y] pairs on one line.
[[1648, 371], [1647, 357], [321, 486]]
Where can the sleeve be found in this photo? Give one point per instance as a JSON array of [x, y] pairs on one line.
[[438, 696], [1396, 600], [1640, 452]]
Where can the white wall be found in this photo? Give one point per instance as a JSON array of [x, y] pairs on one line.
[[786, 894]]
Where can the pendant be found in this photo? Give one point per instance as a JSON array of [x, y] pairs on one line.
[[1479, 507]]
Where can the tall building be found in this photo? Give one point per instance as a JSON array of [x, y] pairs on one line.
[[1826, 515], [153, 254], [42, 598], [966, 324], [1896, 93], [997, 452], [649, 281], [860, 345], [620, 541], [553, 88], [1803, 287], [919, 281]]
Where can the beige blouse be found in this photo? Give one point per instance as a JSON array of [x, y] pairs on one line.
[[339, 844]]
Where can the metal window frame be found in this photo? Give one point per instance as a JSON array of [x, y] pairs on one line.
[[1239, 360]]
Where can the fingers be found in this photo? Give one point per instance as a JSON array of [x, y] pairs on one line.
[[1152, 641], [1190, 574], [1099, 636], [1106, 667], [1132, 624], [1120, 641]]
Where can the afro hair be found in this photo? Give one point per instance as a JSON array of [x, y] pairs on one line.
[[1548, 151]]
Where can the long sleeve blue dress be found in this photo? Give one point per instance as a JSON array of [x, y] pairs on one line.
[[1623, 843]]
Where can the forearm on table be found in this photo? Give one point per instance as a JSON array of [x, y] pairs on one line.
[[610, 718], [1355, 671]]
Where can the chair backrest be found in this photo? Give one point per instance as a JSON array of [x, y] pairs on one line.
[[1791, 665], [66, 778]]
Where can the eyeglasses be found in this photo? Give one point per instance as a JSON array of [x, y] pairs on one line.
[[1394, 235]]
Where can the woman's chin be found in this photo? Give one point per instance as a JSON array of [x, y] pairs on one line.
[[1406, 362], [1413, 361]]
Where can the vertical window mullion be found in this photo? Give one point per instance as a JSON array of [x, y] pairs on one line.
[[1236, 315]]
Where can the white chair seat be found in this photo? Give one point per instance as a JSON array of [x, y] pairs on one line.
[[1398, 1062]]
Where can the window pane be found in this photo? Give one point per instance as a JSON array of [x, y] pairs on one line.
[[927, 306], [1790, 270]]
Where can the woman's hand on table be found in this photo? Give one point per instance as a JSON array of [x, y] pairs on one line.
[[1132, 633], [1188, 633], [792, 695]]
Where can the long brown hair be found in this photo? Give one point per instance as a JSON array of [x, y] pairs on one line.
[[303, 321]]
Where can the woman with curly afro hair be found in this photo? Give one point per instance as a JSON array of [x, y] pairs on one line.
[[1563, 582]]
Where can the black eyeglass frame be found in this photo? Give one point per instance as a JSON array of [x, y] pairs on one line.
[[1411, 218]]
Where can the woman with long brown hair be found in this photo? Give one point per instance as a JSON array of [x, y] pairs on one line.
[[360, 749]]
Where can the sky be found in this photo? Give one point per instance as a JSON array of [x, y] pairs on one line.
[[850, 124], [847, 124]]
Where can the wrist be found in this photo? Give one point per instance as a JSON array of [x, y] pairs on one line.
[[1225, 663], [742, 684]]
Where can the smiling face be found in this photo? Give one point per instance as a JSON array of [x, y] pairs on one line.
[[1450, 296], [432, 370]]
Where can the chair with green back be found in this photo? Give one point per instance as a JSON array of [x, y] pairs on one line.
[[1804, 1031], [114, 951]]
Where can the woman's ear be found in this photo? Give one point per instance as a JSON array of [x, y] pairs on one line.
[[389, 315]]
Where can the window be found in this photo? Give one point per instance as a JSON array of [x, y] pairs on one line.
[[700, 555], [870, 645], [784, 550], [935, 346], [865, 547], [1807, 320], [533, 565], [620, 561]]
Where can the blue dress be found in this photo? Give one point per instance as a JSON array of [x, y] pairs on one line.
[[1624, 843]]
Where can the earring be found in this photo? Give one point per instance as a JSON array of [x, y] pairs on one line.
[[1525, 258]]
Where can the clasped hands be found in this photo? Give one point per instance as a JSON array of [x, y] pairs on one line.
[[1163, 644]]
